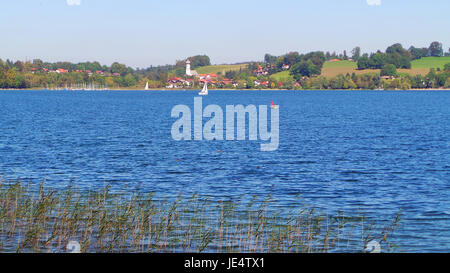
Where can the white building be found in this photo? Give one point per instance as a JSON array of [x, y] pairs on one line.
[[190, 72]]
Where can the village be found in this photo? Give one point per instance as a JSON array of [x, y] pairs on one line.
[[65, 71], [215, 81]]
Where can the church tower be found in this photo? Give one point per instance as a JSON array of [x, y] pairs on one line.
[[188, 68]]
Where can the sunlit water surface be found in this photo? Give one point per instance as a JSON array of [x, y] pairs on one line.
[[370, 152]]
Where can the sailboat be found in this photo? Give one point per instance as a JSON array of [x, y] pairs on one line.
[[204, 91], [146, 86]]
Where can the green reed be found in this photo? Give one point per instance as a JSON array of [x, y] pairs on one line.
[[45, 220]]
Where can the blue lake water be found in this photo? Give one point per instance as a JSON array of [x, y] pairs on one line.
[[376, 152]]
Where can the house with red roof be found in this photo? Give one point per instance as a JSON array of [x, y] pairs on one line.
[[207, 76], [61, 71], [261, 83], [260, 71], [227, 81], [177, 82]]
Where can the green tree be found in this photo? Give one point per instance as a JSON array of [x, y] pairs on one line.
[[447, 67], [319, 83], [435, 49], [417, 53], [388, 70], [397, 49], [291, 58], [20, 66], [270, 59], [377, 61], [363, 62], [356, 53], [304, 68], [442, 78], [375, 82], [430, 78], [180, 72], [417, 82], [196, 61], [38, 64], [129, 80], [118, 68], [447, 83], [403, 62], [395, 55], [318, 58], [2, 77], [11, 79]]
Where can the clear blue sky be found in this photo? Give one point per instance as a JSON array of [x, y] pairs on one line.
[[141, 33]]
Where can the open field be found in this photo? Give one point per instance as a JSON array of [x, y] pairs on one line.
[[220, 68], [430, 62], [340, 64], [419, 67], [333, 69], [333, 72], [414, 71], [282, 76]]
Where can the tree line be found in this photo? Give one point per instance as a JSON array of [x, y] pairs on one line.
[[305, 70], [398, 56]]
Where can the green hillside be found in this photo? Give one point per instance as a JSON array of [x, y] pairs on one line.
[[282, 76], [431, 62], [220, 68], [346, 64], [418, 67], [427, 62]]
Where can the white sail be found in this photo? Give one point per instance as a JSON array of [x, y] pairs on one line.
[[204, 90], [146, 86]]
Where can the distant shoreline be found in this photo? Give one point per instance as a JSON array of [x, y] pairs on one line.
[[240, 90]]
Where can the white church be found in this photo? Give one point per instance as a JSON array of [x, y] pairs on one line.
[[190, 72]]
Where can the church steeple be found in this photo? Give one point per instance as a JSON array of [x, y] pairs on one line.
[[188, 68]]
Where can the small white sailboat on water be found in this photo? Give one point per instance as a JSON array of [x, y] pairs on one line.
[[204, 91], [146, 86]]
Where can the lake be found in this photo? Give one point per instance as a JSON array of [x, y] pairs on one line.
[[376, 152]]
